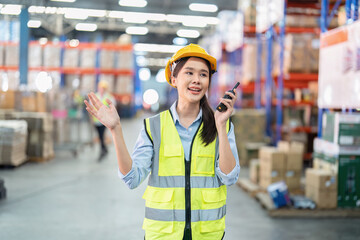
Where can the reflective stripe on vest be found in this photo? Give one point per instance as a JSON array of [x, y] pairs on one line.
[[165, 213]]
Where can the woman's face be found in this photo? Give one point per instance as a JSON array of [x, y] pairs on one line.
[[192, 81]]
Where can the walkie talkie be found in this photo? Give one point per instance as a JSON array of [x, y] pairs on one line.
[[221, 107]]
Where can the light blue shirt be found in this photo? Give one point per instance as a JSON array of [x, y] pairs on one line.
[[144, 152]]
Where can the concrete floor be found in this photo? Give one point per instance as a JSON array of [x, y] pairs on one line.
[[80, 198]]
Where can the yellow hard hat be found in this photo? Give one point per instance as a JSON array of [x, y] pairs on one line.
[[103, 84], [191, 50]]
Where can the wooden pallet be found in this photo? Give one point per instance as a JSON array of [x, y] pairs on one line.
[[248, 186], [41, 159], [288, 212]]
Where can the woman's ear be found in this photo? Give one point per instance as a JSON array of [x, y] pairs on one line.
[[173, 81]]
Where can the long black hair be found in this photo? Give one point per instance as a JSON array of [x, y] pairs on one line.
[[208, 133]]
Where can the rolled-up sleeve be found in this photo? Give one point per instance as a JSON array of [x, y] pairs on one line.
[[232, 177], [141, 161]]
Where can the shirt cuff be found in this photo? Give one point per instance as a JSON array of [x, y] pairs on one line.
[[128, 178], [230, 178]]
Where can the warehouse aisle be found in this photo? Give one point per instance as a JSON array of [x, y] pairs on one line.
[[81, 198]]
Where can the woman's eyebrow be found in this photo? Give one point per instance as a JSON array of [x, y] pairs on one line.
[[192, 69]]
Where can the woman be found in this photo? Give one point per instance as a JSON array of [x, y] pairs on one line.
[[189, 150]]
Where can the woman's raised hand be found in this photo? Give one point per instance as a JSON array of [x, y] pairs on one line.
[[222, 117], [107, 115]]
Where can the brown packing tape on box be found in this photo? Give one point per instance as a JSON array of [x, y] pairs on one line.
[[321, 179], [323, 199]]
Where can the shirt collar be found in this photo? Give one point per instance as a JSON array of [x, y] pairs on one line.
[[176, 116]]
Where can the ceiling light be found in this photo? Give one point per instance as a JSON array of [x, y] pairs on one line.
[[145, 47], [135, 18], [180, 41], [11, 9], [203, 7], [212, 20], [116, 14], [137, 30], [89, 27], [50, 10], [34, 23], [95, 13], [193, 21], [70, 1], [188, 33], [132, 3], [76, 13], [175, 18], [36, 9], [155, 16]]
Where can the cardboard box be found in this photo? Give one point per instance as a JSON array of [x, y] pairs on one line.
[[52, 55], [107, 59], [87, 59], [71, 57], [293, 179], [7, 100], [12, 55], [323, 199], [271, 157], [321, 179], [254, 170], [35, 55], [13, 135], [294, 153]]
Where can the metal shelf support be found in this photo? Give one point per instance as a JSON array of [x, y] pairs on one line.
[[269, 79], [257, 93], [280, 80], [24, 46]]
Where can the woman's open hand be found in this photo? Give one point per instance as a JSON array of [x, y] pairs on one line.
[[107, 115]]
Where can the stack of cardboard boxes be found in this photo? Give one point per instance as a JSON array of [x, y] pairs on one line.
[[282, 163], [23, 101], [39, 143], [338, 153], [321, 187], [13, 138]]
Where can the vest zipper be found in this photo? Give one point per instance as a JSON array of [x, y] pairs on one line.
[[188, 189]]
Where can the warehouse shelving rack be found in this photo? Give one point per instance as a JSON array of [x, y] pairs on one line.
[[294, 80]]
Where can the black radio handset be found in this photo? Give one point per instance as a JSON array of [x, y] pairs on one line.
[[221, 107]]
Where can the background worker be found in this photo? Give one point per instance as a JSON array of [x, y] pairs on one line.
[[102, 94], [189, 151]]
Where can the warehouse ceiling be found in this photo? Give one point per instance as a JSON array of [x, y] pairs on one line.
[[158, 31]]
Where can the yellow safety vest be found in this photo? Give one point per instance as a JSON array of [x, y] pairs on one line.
[[182, 194]]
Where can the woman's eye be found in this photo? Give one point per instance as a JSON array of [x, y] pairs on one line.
[[189, 73], [203, 75]]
